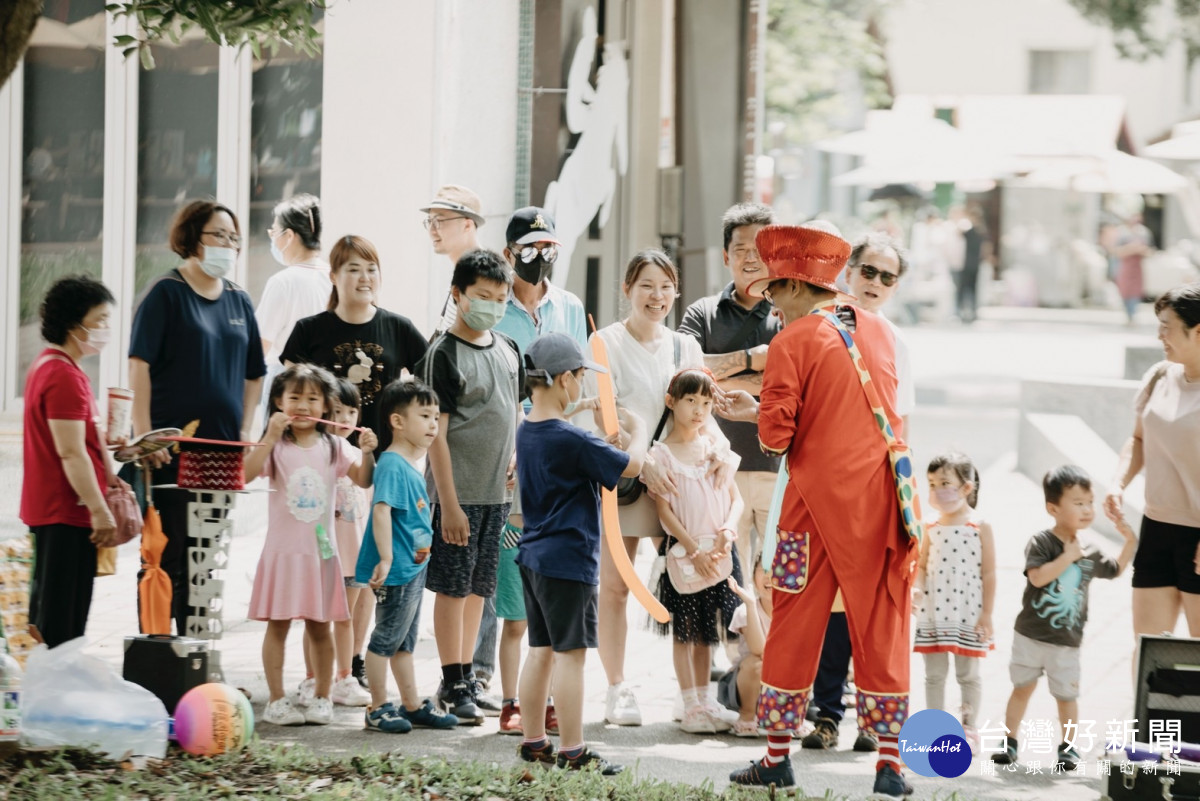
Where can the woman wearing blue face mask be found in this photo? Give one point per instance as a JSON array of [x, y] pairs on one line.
[[194, 354], [62, 495], [301, 289]]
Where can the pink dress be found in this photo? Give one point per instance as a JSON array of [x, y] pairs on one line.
[[292, 580], [350, 522]]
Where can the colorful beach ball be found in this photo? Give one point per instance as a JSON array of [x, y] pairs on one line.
[[212, 719]]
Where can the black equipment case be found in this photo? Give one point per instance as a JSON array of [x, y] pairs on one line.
[[1168, 685], [166, 666]]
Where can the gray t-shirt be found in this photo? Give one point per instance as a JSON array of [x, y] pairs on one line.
[[713, 322], [1055, 614], [480, 388]]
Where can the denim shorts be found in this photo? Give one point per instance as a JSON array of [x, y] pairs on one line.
[[351, 584], [397, 617]]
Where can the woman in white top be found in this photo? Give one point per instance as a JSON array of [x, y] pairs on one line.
[[643, 354], [301, 289], [1166, 567]]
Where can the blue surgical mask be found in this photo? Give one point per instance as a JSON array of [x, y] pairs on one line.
[[572, 405], [277, 254], [218, 262], [483, 315]]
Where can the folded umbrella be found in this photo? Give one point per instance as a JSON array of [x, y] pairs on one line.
[[154, 587]]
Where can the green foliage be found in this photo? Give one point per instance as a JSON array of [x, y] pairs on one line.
[[1143, 29], [256, 23], [818, 53]]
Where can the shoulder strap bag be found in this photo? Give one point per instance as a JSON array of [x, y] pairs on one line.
[[630, 489]]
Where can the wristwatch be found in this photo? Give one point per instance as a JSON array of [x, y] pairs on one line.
[[749, 360]]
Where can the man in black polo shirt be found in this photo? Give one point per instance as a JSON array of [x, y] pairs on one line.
[[733, 329]]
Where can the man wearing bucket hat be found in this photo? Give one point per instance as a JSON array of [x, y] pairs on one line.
[[535, 306], [839, 526], [452, 219]]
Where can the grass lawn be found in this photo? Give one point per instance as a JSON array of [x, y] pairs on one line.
[[272, 771]]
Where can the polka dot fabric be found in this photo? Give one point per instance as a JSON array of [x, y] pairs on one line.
[[789, 570], [882, 714], [780, 710]]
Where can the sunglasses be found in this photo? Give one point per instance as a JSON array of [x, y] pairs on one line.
[[871, 273], [527, 253]]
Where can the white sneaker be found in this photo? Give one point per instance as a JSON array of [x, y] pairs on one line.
[[726, 717], [282, 713], [307, 692], [620, 707], [348, 692], [319, 712], [677, 709], [697, 721]]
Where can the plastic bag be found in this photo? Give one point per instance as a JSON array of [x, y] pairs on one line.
[[71, 698]]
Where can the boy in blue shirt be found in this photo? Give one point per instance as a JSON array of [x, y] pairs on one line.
[[393, 557], [560, 470]]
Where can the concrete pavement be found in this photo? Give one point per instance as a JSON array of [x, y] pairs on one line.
[[967, 390]]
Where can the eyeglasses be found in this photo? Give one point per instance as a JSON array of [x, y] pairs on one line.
[[745, 254], [527, 253], [767, 290], [870, 273], [433, 223], [230, 240]]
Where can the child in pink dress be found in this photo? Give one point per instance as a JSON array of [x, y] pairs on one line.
[[299, 575], [700, 518]]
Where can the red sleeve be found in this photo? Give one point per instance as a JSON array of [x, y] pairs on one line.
[[779, 401], [66, 394]]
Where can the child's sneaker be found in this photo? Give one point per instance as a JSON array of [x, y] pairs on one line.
[[346, 692], [621, 707], [696, 720], [1009, 755], [1068, 757], [510, 719], [541, 756], [746, 728], [459, 700], [281, 713], [319, 712], [306, 692], [487, 703], [824, 736], [972, 737], [589, 760], [760, 774], [386, 719], [867, 741], [724, 718], [551, 720], [427, 716]]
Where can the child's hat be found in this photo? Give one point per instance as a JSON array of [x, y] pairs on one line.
[[554, 354], [800, 252]]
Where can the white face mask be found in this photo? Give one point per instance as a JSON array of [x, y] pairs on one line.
[[97, 339], [218, 262]]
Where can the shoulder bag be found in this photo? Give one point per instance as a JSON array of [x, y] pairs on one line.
[[899, 454], [682, 572], [630, 489]]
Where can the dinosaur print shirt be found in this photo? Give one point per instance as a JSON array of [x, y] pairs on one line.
[[1055, 614]]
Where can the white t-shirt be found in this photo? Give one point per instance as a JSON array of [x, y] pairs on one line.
[[906, 388], [293, 293], [640, 376], [1170, 432], [737, 624]]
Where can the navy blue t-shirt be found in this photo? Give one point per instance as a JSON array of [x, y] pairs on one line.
[[560, 470], [201, 353]]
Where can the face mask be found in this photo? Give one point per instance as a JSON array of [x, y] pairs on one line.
[[277, 254], [95, 342], [534, 272], [572, 405], [218, 262], [947, 498], [483, 315]]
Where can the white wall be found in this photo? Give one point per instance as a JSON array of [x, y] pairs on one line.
[[416, 95], [955, 47]]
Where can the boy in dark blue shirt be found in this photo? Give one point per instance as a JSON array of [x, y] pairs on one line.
[[560, 470]]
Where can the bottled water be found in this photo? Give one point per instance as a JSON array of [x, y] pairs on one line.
[[10, 704], [107, 724]]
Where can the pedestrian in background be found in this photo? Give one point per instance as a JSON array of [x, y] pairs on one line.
[[452, 219]]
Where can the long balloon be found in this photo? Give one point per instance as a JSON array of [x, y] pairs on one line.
[[608, 499]]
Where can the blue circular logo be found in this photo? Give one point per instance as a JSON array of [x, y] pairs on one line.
[[933, 743]]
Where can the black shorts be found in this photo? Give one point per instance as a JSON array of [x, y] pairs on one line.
[[1166, 556], [471, 569], [561, 614], [60, 594]]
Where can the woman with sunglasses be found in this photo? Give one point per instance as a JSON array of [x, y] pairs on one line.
[[195, 353]]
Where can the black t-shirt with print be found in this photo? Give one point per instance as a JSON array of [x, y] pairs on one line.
[[370, 355]]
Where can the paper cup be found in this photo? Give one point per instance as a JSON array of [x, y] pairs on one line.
[[120, 413]]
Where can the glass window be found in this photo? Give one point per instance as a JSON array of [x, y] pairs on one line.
[[62, 196], [177, 144], [285, 147]]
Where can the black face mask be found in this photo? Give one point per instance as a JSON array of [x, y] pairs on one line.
[[534, 272]]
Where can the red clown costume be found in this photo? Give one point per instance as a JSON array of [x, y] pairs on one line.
[[839, 526]]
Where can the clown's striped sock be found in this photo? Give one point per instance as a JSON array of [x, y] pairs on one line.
[[889, 751], [779, 745]]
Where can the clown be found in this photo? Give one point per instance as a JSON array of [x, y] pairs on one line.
[[839, 526]]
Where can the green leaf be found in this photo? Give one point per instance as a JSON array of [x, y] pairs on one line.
[[147, 57]]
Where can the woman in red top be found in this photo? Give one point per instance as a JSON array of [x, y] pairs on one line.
[[62, 496]]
